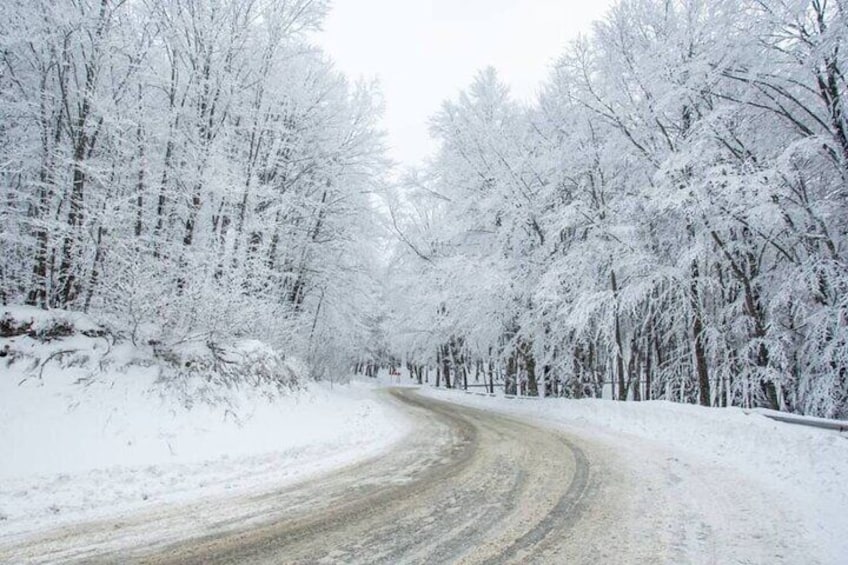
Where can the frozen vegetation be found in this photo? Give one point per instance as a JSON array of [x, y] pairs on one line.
[[93, 427], [667, 220], [201, 238]]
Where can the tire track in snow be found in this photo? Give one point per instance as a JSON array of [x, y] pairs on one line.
[[467, 486]]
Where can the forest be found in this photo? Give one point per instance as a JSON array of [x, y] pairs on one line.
[[667, 220], [191, 170]]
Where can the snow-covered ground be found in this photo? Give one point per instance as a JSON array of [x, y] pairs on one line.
[[86, 432], [79, 443], [731, 467], [110, 454]]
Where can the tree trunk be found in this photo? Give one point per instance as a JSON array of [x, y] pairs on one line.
[[619, 353], [491, 376], [68, 285], [510, 382], [648, 368], [698, 339], [530, 367], [446, 366], [438, 366]]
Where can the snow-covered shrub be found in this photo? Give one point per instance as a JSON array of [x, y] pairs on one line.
[[39, 339], [47, 325], [242, 362], [193, 370]]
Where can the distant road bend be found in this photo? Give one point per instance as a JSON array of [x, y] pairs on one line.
[[468, 486]]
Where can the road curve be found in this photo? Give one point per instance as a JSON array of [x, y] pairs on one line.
[[468, 486]]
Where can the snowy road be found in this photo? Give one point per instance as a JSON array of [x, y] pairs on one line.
[[468, 486], [465, 479], [497, 485]]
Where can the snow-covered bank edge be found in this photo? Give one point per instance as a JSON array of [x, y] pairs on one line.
[[806, 469], [797, 419], [316, 431], [94, 424]]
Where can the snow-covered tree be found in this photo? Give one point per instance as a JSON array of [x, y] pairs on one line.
[[666, 221], [197, 166]]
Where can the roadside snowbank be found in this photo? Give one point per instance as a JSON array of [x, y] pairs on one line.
[[115, 448], [806, 469], [88, 429]]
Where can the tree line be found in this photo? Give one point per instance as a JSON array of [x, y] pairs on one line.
[[192, 169], [666, 221]]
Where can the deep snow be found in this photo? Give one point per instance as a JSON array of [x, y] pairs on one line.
[[118, 450], [79, 441], [80, 444]]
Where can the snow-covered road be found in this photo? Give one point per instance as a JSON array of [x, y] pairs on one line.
[[676, 483], [463, 483], [474, 486]]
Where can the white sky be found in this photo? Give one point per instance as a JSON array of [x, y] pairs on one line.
[[425, 51]]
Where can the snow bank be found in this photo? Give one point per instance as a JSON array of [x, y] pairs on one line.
[[88, 428], [46, 325], [806, 468]]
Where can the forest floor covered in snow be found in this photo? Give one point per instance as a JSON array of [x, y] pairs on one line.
[[86, 434], [724, 469]]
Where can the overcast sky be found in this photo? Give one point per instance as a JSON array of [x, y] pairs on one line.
[[424, 51]]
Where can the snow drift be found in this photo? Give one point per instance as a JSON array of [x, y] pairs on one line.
[[91, 425]]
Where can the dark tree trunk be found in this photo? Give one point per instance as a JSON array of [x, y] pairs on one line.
[[95, 270], [648, 369], [510, 382], [698, 340], [446, 366], [530, 367], [438, 366], [491, 376], [139, 198], [619, 353]]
